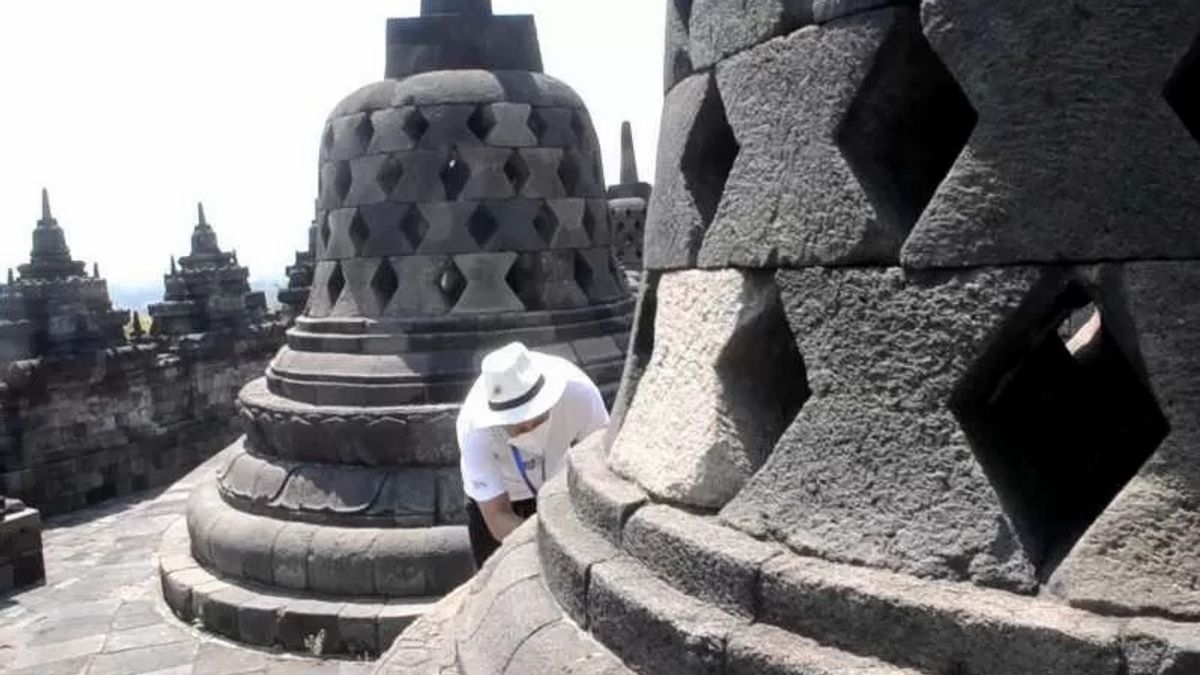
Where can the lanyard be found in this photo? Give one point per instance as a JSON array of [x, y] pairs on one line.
[[516, 455]]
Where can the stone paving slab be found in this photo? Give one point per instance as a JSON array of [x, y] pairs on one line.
[[101, 610]]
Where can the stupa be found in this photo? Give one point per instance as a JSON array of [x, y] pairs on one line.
[[206, 291], [853, 438], [461, 207], [67, 310], [627, 204], [294, 297]]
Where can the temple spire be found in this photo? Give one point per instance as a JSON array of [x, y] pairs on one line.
[[11, 280], [96, 270], [174, 269], [46, 217], [469, 7], [200, 214], [629, 170]]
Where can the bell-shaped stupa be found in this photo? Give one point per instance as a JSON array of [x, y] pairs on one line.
[[461, 207]]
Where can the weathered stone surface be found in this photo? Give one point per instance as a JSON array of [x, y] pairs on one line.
[[935, 626], [652, 627], [675, 225], [602, 500], [720, 28], [761, 649], [892, 484], [723, 382], [699, 556], [1140, 554], [883, 122], [21, 560], [568, 550], [1078, 155], [678, 60]]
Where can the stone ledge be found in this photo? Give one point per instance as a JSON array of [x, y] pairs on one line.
[[353, 562], [874, 614], [603, 501], [257, 615]]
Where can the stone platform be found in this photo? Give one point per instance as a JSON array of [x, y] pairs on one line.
[[673, 592], [101, 609]]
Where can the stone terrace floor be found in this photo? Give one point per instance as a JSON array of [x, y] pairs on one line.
[[101, 612]]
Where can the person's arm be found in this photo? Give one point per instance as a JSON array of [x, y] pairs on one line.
[[499, 516], [593, 413]]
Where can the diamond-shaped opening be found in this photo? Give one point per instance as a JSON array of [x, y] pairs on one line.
[[482, 226], [384, 284], [546, 223], [414, 227], [905, 128], [709, 154], [451, 283], [761, 367], [415, 125], [1059, 418], [390, 174], [481, 122], [536, 123], [359, 233], [524, 280], [517, 171], [589, 224], [570, 171], [584, 275], [327, 140], [684, 9], [364, 131], [342, 179], [1183, 90], [326, 232], [336, 284], [455, 175]]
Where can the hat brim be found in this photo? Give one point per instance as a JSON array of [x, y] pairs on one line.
[[552, 368]]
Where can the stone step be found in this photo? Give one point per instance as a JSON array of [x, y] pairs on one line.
[[672, 570], [262, 616]]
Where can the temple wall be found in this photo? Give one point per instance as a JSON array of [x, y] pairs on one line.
[[129, 419]]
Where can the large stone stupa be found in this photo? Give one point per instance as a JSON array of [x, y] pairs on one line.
[[461, 207], [855, 435]]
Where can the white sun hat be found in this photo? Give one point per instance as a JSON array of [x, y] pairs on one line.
[[515, 386]]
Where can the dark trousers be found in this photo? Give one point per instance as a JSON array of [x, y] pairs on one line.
[[483, 544]]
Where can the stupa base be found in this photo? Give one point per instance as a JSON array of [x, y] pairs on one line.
[[666, 591]]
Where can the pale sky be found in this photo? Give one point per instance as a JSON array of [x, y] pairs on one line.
[[130, 111]]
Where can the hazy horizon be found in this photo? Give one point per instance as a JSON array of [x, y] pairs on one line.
[[131, 111]]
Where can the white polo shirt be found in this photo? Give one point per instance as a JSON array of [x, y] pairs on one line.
[[486, 458]]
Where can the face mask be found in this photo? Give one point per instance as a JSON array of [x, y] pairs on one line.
[[533, 442]]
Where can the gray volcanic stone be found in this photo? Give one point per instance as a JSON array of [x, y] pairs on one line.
[[760, 649], [674, 226], [723, 382], [846, 186], [1077, 156], [1139, 556], [568, 550], [603, 501], [720, 28], [894, 483], [651, 626], [699, 556], [936, 627], [678, 61]]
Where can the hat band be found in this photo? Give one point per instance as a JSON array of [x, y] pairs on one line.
[[502, 406]]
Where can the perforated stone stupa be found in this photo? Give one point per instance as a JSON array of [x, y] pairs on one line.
[[627, 203], [854, 437], [461, 207], [207, 291], [54, 307]]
